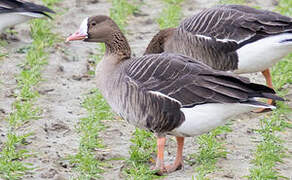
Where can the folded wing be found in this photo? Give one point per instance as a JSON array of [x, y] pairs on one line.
[[235, 22], [191, 82]]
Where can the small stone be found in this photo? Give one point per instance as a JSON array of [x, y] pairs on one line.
[[94, 1], [149, 21], [2, 111], [190, 8], [61, 68], [49, 174], [229, 175], [59, 126], [249, 131], [139, 14], [77, 78], [60, 177], [42, 92]]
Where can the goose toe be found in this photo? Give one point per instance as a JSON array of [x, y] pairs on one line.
[[263, 110], [159, 170], [174, 167]]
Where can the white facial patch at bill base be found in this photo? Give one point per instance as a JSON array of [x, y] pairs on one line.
[[84, 27]]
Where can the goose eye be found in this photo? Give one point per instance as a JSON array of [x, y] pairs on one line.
[[93, 24]]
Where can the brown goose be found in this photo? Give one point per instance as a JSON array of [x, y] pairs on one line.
[[230, 38], [166, 93]]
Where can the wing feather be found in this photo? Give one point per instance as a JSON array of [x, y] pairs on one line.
[[237, 22], [191, 82]]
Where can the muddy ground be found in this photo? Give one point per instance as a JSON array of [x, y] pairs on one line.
[[65, 85]]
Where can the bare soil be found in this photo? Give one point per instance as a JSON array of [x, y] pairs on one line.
[[66, 84]]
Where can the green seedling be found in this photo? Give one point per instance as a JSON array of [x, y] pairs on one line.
[[242, 2], [170, 16], [270, 150], [13, 150]]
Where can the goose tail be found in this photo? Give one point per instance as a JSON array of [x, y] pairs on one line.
[[258, 104], [261, 91], [272, 96]]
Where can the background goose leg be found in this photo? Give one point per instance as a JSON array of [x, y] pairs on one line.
[[268, 78], [178, 163]]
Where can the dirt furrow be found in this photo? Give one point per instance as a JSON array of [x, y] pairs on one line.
[[15, 47], [65, 85]]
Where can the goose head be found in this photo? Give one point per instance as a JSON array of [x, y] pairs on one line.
[[102, 29], [95, 29]]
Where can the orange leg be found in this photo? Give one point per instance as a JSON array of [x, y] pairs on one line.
[[178, 163], [160, 156], [268, 78]]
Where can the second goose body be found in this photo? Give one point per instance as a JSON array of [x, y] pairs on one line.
[[168, 94], [230, 38]]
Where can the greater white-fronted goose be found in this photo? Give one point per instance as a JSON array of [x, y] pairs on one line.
[[230, 38], [13, 12], [167, 94]]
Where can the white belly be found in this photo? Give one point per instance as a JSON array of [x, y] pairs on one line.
[[11, 19], [263, 54], [203, 118]]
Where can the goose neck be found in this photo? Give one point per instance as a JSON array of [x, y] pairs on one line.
[[118, 46]]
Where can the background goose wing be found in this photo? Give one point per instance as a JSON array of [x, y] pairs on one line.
[[190, 82], [237, 22], [19, 6], [7, 6], [10, 4]]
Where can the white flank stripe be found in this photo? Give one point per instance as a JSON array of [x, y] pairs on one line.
[[202, 36], [226, 40], [157, 93], [209, 38]]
